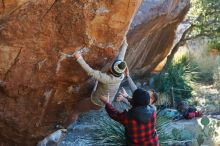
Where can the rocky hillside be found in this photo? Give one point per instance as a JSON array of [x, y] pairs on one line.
[[39, 86]]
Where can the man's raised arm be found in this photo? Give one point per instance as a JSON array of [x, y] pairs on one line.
[[131, 83]]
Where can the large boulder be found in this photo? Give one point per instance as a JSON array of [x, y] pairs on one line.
[[153, 32], [39, 86]]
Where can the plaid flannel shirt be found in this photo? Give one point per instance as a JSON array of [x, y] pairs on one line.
[[137, 133]]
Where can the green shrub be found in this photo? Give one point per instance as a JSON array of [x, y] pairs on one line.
[[108, 132], [209, 130], [215, 44], [112, 133], [183, 73], [179, 76], [200, 139]]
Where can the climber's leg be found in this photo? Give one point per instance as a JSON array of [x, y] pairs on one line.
[[86, 105]]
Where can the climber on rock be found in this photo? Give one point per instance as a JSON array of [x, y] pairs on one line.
[[107, 84]]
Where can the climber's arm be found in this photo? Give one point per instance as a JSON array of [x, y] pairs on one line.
[[98, 75], [122, 51]]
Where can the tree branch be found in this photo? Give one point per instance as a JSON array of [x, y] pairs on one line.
[[181, 42]]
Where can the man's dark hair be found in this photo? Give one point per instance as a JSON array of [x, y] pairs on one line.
[[140, 98]]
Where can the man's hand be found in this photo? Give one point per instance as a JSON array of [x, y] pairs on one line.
[[123, 93], [120, 98], [104, 99], [77, 55], [126, 72]]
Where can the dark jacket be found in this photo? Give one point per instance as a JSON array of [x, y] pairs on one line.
[[139, 123]]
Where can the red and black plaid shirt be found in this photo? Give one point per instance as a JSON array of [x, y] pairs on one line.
[[137, 133]]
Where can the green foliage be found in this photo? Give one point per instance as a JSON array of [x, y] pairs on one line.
[[176, 133], [200, 139], [206, 65], [218, 124], [217, 79], [204, 16], [215, 44], [109, 132], [181, 134], [184, 71], [179, 76], [162, 122], [209, 130], [205, 121]]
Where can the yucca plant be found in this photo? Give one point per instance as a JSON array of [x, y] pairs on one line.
[[98, 129], [112, 133], [178, 75], [162, 123]]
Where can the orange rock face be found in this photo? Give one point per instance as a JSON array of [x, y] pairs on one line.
[[39, 86]]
